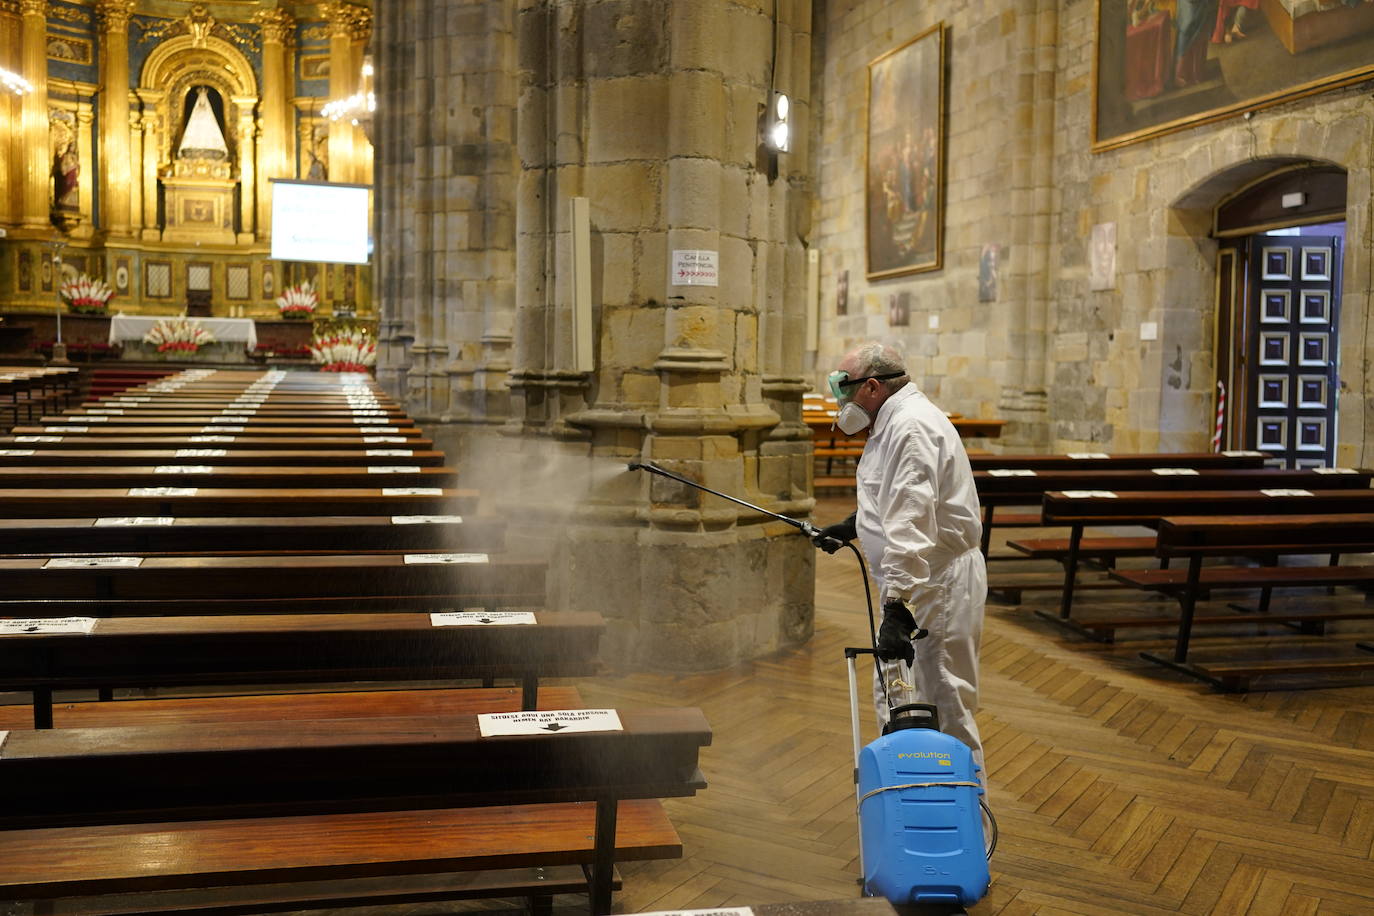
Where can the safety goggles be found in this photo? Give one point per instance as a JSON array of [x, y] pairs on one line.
[[840, 380]]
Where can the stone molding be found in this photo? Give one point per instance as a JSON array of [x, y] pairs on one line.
[[113, 15], [277, 26]]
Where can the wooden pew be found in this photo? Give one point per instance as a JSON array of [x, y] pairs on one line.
[[206, 472], [1196, 538], [219, 456], [331, 799], [1078, 509], [295, 649], [231, 442], [119, 586], [1102, 461], [188, 500], [171, 535]]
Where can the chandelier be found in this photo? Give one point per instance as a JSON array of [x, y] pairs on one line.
[[14, 82], [359, 106]]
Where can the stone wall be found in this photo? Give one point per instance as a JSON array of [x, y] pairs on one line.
[[1021, 175]]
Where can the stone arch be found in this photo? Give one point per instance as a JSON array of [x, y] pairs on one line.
[[1209, 172], [178, 64]]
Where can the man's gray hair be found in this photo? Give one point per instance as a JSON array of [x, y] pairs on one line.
[[879, 359]]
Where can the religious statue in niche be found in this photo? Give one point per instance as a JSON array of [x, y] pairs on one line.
[[66, 165], [203, 138]]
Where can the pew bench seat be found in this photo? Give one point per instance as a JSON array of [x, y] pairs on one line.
[[1219, 577], [1103, 548]]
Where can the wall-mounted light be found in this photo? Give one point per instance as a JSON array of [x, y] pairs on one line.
[[777, 134]]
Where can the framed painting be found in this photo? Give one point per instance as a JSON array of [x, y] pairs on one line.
[[1165, 65], [905, 157]]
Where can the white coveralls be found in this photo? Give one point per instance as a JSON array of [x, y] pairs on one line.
[[920, 526]]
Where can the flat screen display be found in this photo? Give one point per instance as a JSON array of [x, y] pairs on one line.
[[320, 221]]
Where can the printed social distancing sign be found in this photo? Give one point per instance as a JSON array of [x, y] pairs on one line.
[[548, 722]]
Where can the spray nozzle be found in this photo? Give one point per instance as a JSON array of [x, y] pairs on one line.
[[635, 466]]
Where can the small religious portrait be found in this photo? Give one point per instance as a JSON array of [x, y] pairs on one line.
[[899, 310], [121, 276], [45, 272], [315, 67], [1102, 257], [987, 273], [269, 283], [68, 49], [842, 293], [24, 271]]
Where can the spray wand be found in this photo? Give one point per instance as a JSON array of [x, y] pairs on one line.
[[806, 528]]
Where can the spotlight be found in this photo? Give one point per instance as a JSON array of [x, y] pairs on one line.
[[778, 132]]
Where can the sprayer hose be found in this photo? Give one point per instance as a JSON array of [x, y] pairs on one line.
[[992, 842]]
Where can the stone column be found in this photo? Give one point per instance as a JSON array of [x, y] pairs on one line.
[[274, 144], [113, 16], [36, 189], [445, 200], [1024, 399], [642, 107]]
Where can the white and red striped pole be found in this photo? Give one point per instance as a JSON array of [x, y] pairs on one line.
[[1221, 417]]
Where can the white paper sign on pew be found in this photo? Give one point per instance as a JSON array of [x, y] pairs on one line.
[[393, 469], [482, 618], [719, 911], [134, 400], [412, 491], [1090, 494], [184, 469], [42, 625], [15, 452], [212, 439], [548, 722], [426, 520], [389, 453], [66, 429], [1283, 491], [1085, 455], [1243, 454], [135, 521], [1334, 470], [372, 440], [201, 452], [112, 411], [424, 559], [37, 438], [1011, 472], [220, 429], [163, 491], [227, 418], [376, 430], [94, 563], [1175, 472]]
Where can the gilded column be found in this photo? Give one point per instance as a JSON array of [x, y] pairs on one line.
[[37, 169], [275, 135], [10, 149], [113, 16], [342, 83], [248, 183], [148, 163], [135, 173]]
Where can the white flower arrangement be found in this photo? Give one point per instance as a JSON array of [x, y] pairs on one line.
[[346, 350], [86, 296], [298, 301], [178, 334]]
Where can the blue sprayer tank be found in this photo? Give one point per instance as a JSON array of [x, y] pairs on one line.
[[921, 845]]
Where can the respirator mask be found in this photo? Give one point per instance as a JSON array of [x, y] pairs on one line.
[[852, 418]]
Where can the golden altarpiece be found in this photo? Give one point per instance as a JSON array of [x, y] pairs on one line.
[[163, 190]]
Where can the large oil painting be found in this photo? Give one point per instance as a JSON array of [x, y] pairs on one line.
[[905, 161], [1164, 65]]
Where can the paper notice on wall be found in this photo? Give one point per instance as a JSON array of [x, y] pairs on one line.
[[39, 625], [135, 521], [93, 563], [426, 520], [412, 491], [1090, 494], [1011, 472], [1282, 491], [482, 618], [162, 491], [422, 559], [694, 267], [548, 722]]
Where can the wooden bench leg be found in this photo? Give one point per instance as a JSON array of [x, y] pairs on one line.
[[539, 906], [1070, 572], [105, 694], [603, 856], [1187, 602], [987, 531], [42, 707], [529, 691]]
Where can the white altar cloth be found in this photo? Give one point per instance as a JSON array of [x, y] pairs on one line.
[[227, 330]]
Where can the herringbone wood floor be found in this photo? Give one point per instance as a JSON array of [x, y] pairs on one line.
[[1119, 788]]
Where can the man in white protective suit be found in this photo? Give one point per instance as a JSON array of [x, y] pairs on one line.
[[920, 525]]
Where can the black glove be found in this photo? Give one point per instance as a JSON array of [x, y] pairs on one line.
[[832, 537], [895, 633]]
